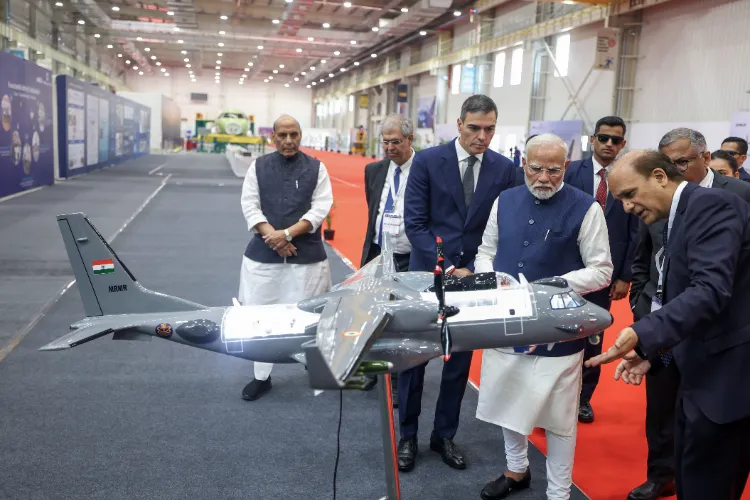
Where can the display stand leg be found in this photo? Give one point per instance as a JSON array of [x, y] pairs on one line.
[[388, 429]]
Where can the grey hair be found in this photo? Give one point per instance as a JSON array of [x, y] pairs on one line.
[[398, 122], [545, 140], [478, 103], [697, 140]]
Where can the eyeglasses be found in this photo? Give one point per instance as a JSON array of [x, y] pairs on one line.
[[552, 171], [605, 138], [394, 142], [684, 162]]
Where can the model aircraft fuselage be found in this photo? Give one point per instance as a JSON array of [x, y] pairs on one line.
[[376, 316]]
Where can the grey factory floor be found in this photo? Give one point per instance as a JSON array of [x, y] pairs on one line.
[[157, 420]]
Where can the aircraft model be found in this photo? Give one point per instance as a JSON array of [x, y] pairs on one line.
[[375, 321]]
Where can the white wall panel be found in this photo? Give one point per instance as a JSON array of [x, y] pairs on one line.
[[513, 100], [647, 135], [464, 35], [694, 65], [596, 97], [264, 101]]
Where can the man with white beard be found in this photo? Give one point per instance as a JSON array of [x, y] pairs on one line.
[[543, 229]]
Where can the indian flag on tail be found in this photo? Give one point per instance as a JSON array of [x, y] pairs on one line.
[[103, 266]]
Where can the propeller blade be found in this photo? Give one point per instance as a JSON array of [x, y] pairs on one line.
[[445, 340]]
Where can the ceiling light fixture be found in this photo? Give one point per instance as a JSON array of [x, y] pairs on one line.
[[322, 61], [58, 4], [222, 32], [147, 49], [275, 71], [322, 80], [326, 25], [286, 85], [223, 18], [153, 58], [139, 39], [404, 9], [81, 21], [260, 47], [119, 55], [186, 60], [303, 73], [299, 50], [265, 81], [217, 67], [97, 35], [281, 66], [217, 73], [180, 41], [275, 21], [140, 73], [342, 69], [270, 78], [218, 61], [310, 39], [135, 67], [312, 68], [247, 69], [423, 33], [127, 61], [250, 64], [109, 46], [158, 63], [219, 54], [115, 8], [330, 75], [221, 44], [314, 83], [347, 4], [353, 42], [309, 87], [296, 79], [188, 65], [170, 13], [337, 53], [356, 63], [166, 74], [176, 28], [163, 70], [375, 28], [456, 13], [373, 55]]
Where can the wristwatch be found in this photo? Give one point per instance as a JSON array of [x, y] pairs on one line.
[[288, 236]]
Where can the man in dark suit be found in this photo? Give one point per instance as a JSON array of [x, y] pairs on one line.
[[590, 176], [450, 193], [737, 147], [699, 316], [688, 150], [385, 184]]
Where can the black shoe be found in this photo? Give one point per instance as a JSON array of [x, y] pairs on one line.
[[651, 490], [407, 454], [255, 389], [585, 413], [502, 486], [448, 450]]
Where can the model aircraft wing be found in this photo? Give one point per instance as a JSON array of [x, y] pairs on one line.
[[347, 328], [87, 331]]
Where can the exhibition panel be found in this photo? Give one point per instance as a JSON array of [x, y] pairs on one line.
[[26, 154], [97, 128]]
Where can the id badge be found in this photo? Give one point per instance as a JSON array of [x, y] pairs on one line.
[[392, 223], [656, 302]]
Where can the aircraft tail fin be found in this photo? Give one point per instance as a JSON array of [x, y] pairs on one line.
[[106, 285]]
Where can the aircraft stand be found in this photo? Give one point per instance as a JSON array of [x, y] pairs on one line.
[[388, 430]]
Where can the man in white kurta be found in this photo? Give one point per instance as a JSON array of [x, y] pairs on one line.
[[285, 197], [542, 229]]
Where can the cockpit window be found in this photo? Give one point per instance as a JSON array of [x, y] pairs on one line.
[[567, 300]]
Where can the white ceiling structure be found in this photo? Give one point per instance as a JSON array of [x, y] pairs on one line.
[[293, 42]]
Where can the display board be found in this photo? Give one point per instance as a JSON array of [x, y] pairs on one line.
[[97, 128], [26, 155], [569, 131], [171, 116]]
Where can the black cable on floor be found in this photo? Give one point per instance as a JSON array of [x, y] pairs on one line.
[[338, 442]]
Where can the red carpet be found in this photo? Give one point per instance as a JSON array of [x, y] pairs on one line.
[[610, 453]]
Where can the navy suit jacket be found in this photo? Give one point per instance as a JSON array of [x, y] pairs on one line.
[[744, 175], [621, 226], [434, 205], [705, 317]]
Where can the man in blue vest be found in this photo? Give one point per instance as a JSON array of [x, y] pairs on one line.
[[449, 195], [590, 175], [285, 197], [543, 229]]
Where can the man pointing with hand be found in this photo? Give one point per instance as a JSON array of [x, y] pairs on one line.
[[700, 312]]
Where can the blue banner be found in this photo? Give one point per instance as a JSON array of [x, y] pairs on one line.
[[98, 128], [26, 156]]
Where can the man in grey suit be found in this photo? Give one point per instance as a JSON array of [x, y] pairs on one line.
[[385, 184], [688, 151]]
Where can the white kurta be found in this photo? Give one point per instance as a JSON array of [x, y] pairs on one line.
[[263, 284], [522, 391]]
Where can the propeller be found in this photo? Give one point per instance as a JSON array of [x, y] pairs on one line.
[[443, 310]]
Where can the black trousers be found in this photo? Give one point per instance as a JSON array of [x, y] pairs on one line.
[[590, 376], [661, 397], [712, 460]]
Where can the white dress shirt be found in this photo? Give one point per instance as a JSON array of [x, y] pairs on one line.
[[708, 180], [597, 179], [399, 243], [593, 242], [322, 200], [463, 162]]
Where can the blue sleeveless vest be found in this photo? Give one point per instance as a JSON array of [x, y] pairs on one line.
[[539, 238], [286, 188]]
